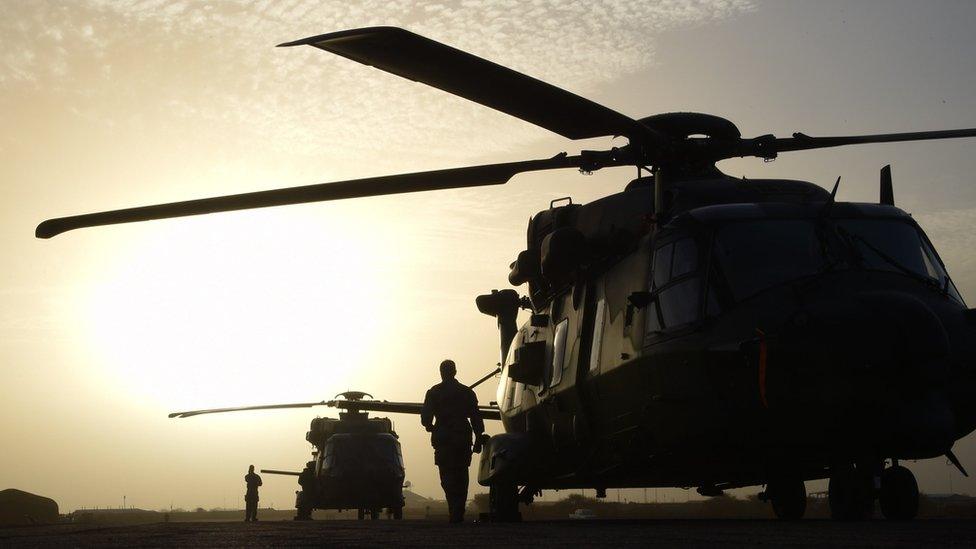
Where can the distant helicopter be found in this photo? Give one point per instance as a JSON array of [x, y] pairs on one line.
[[694, 329], [356, 464]]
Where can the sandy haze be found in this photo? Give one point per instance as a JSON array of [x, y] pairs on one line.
[[111, 104]]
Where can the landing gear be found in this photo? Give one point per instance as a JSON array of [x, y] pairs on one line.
[[304, 513], [899, 493], [851, 493], [503, 503], [788, 496], [374, 513], [398, 513], [303, 506]]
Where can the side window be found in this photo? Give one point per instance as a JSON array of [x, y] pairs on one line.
[[596, 347], [559, 352], [685, 258], [506, 388], [662, 265], [680, 302], [502, 393], [676, 286]]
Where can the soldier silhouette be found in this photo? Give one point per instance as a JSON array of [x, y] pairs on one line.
[[450, 414], [253, 480], [305, 497]]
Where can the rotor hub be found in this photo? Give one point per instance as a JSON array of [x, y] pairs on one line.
[[680, 125]]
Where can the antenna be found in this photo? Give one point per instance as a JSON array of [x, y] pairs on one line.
[[887, 193], [833, 196]]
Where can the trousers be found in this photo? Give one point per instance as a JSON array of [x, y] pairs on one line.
[[251, 509], [454, 481]]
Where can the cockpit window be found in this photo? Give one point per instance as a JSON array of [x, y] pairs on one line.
[[674, 260], [685, 258], [676, 284], [662, 265], [680, 302], [889, 246], [761, 254], [755, 255]]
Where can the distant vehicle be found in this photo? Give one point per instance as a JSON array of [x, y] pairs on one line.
[[356, 464], [583, 514]]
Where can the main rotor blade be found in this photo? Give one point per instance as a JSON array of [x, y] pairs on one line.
[[473, 176], [403, 53], [768, 148], [243, 408], [486, 412], [277, 472]]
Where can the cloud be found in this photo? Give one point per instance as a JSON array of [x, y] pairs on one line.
[[215, 62]]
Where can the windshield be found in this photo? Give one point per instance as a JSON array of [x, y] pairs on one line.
[[355, 450], [756, 255], [889, 246]]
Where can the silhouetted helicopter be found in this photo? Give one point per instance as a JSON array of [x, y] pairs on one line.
[[356, 464], [693, 329]]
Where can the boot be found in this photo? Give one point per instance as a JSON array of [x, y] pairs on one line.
[[456, 511]]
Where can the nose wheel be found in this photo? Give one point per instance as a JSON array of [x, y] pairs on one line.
[[899, 493], [788, 495], [853, 489], [503, 500]]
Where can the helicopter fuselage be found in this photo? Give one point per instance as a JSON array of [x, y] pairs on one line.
[[733, 341], [357, 464]]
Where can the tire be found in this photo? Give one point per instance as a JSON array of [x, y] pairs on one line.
[[360, 514], [899, 494], [374, 513], [503, 502], [398, 513], [851, 495], [788, 497]]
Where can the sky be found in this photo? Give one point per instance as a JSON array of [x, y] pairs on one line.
[[109, 104]]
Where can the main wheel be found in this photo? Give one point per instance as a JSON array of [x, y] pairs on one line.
[[360, 514], [789, 498], [503, 502], [899, 494], [398, 513], [851, 494], [374, 513]]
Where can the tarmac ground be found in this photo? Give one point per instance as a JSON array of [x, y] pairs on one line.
[[417, 533]]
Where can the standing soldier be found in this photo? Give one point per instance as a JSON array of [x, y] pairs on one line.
[[450, 414], [253, 480]]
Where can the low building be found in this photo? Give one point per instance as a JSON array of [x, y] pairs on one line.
[[19, 508]]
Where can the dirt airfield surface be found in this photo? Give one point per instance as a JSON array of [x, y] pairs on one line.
[[408, 533]]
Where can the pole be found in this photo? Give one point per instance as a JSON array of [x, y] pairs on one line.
[[487, 377]]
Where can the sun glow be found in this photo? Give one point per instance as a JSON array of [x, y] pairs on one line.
[[242, 308]]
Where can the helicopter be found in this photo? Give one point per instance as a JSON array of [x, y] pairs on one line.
[[357, 462], [693, 329]]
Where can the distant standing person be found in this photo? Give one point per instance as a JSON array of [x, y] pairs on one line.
[[253, 480], [450, 414]]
